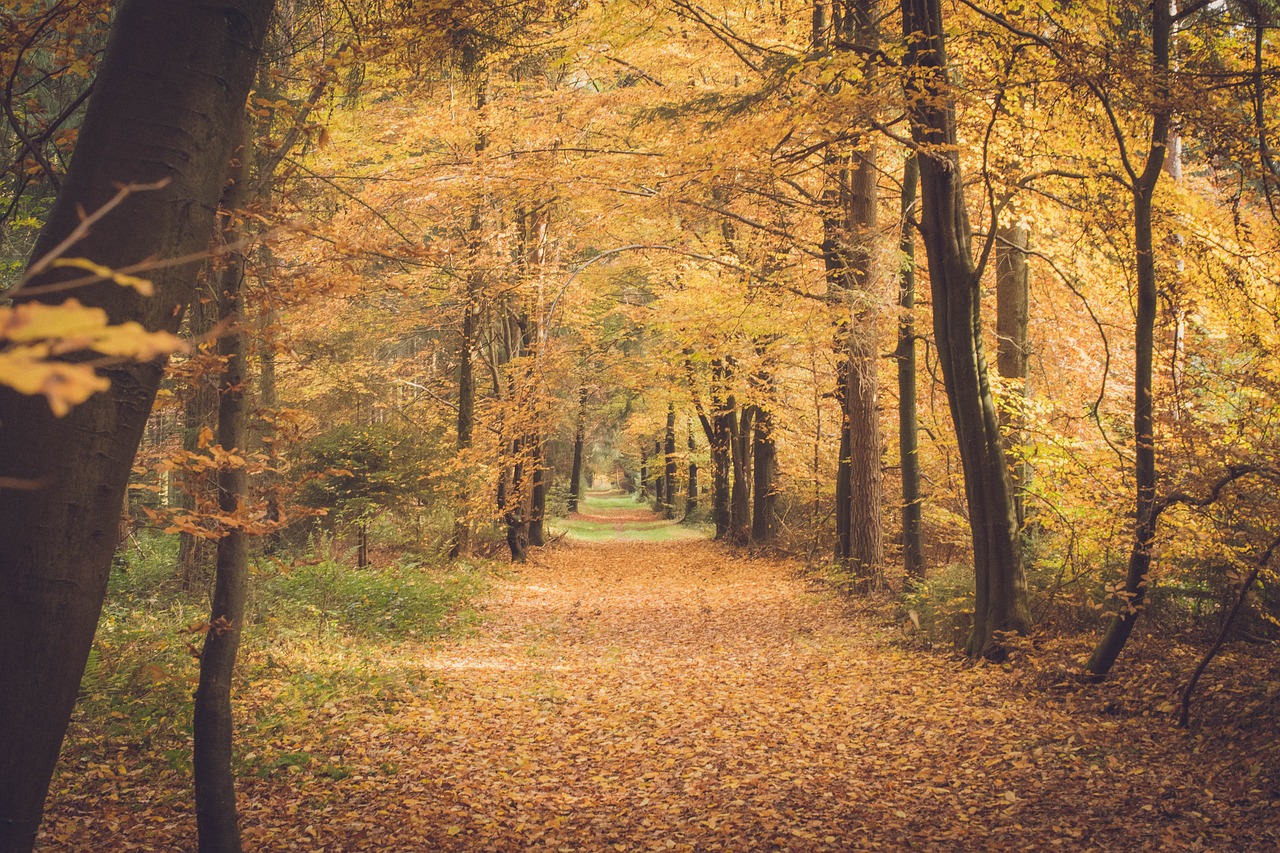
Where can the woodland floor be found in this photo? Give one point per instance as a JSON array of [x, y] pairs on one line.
[[670, 695]]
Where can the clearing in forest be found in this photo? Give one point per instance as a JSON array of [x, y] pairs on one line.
[[627, 695]]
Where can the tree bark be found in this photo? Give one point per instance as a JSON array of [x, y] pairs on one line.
[[170, 92], [538, 496], [196, 555], [659, 476], [1144, 467], [739, 422], [1013, 300], [1000, 596], [644, 473], [461, 546], [764, 467], [691, 495], [579, 438], [669, 471], [865, 557], [908, 427], [217, 823]]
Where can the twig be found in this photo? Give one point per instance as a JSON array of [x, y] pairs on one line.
[[1185, 713], [78, 233]]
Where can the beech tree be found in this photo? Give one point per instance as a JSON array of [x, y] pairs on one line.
[[183, 74], [1000, 595]]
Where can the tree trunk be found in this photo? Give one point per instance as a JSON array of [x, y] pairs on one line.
[[538, 496], [1013, 300], [764, 455], [669, 471], [461, 546], [691, 496], [579, 437], [865, 557], [1000, 595], [740, 432], [196, 555], [644, 473], [182, 71], [515, 513], [212, 726], [721, 439], [1144, 468], [659, 477], [908, 428]]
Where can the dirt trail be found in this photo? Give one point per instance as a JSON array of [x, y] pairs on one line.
[[655, 697]]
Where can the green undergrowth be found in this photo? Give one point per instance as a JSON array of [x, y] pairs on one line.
[[322, 640]]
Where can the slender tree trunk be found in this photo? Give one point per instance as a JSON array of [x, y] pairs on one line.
[[1145, 513], [461, 546], [644, 473], [579, 438], [212, 727], [1000, 596], [908, 428], [659, 476], [691, 496], [182, 71], [740, 431], [1013, 299], [538, 496], [721, 462], [196, 555], [669, 471], [515, 513]]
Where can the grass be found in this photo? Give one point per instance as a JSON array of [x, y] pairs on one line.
[[320, 635], [617, 517]]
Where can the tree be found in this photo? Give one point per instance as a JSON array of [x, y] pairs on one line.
[[905, 355], [1000, 595], [184, 74]]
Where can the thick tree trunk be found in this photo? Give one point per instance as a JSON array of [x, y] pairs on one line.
[[669, 471], [1013, 301], [1000, 596], [765, 462], [1144, 468], [182, 71], [579, 438], [908, 428], [212, 726], [865, 557]]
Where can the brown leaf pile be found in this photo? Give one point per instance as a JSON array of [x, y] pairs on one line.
[[679, 697]]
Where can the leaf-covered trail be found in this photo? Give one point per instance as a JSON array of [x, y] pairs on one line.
[[653, 697], [641, 695]]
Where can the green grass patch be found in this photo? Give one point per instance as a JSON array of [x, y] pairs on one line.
[[322, 642], [620, 518]]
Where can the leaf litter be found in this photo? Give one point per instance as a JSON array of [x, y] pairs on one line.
[[679, 696]]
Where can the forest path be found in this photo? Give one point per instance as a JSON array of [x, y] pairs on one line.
[[623, 696]]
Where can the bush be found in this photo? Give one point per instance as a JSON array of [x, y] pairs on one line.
[[403, 600]]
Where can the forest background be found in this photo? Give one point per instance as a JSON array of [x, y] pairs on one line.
[[461, 260]]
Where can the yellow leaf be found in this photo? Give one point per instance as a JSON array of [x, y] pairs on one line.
[[34, 321]]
